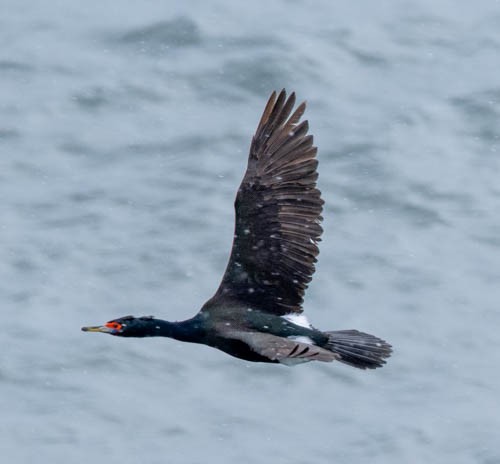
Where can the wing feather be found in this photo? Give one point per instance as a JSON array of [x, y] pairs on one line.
[[278, 215], [283, 350]]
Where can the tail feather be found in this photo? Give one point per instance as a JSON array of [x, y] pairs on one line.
[[358, 349]]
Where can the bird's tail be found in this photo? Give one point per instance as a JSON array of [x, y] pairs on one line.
[[358, 349]]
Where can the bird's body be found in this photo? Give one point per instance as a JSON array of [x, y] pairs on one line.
[[256, 314]]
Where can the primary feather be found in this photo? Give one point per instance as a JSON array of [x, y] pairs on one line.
[[278, 215]]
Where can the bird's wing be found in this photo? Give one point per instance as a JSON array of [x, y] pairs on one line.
[[283, 350], [278, 215]]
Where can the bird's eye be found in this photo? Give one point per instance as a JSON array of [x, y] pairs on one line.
[[114, 325]]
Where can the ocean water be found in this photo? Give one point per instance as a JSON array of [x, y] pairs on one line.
[[124, 131]]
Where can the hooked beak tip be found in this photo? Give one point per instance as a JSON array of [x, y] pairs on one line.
[[94, 329]]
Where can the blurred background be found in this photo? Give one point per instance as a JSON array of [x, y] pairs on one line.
[[124, 133]]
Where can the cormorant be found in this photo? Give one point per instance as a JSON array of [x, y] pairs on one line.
[[256, 313]]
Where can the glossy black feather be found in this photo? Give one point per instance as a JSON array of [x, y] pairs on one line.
[[278, 214]]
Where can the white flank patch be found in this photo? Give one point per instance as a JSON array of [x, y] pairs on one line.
[[298, 319], [301, 339]]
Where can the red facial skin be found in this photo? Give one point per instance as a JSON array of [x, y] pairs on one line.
[[114, 325]]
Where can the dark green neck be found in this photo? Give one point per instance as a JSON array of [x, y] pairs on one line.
[[186, 331]]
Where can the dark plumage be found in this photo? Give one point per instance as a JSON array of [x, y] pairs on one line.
[[256, 312]]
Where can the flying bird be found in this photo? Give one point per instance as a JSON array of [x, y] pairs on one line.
[[256, 314]]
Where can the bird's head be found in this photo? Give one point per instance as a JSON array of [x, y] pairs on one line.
[[128, 326]]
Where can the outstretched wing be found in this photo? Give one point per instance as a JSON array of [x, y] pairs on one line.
[[278, 215]]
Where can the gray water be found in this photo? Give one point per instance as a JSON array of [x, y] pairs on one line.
[[124, 130]]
